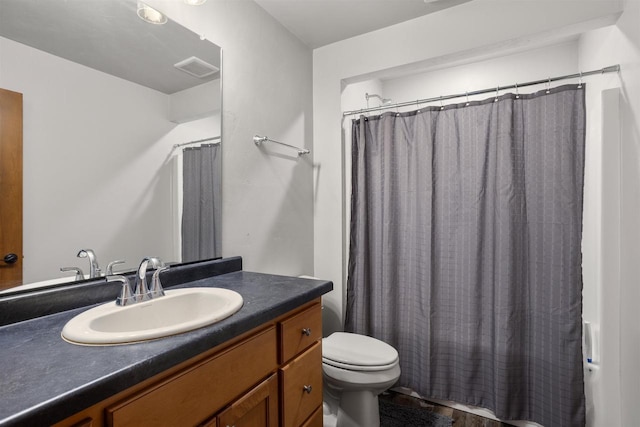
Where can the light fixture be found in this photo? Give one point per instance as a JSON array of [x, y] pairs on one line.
[[150, 15], [194, 2]]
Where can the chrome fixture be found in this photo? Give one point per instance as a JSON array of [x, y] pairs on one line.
[[156, 287], [140, 292], [126, 296], [78, 270], [258, 140], [383, 101], [150, 15], [94, 269], [213, 138], [548, 80], [110, 266], [217, 140]]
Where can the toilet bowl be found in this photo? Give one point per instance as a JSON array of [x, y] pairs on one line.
[[356, 369]]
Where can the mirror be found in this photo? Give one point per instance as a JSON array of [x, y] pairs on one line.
[[104, 107]]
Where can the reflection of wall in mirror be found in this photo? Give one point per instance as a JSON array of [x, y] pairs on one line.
[[96, 172]]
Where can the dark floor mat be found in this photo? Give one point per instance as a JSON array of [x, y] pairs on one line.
[[396, 415]]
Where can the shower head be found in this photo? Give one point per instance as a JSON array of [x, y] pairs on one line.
[[384, 101]]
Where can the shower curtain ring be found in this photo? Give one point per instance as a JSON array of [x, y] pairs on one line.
[[548, 85], [580, 81], [441, 106], [467, 95], [497, 93], [517, 93]]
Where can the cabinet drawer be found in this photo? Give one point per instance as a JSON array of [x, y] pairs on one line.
[[301, 386], [196, 393], [300, 331]]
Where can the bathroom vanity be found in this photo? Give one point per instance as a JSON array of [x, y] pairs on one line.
[[260, 367]]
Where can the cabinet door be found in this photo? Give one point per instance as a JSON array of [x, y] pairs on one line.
[[202, 390], [301, 386], [258, 408], [314, 420]]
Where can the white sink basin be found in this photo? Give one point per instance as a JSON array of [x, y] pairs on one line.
[[180, 310]]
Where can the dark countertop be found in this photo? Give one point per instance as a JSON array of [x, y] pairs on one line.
[[44, 379]]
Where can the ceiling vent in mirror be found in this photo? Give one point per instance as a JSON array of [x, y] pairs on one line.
[[196, 67]]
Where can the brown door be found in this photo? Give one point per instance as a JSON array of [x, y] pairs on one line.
[[10, 189]]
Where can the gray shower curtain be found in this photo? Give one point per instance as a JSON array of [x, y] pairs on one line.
[[465, 252], [201, 203]]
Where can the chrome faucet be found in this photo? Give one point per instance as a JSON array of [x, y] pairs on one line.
[[94, 269], [110, 266], [78, 270], [141, 291]]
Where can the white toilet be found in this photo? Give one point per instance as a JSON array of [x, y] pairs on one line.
[[356, 369]]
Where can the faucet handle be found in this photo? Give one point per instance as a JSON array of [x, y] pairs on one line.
[[126, 296], [156, 262], [78, 270], [111, 264], [156, 287]]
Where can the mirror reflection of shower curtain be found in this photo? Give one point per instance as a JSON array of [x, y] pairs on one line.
[[202, 202], [465, 254]]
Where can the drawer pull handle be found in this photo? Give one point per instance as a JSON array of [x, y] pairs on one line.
[[306, 331], [307, 388]]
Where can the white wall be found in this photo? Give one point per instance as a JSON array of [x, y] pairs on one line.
[[619, 281], [95, 171], [554, 60], [431, 41], [268, 199], [196, 102]]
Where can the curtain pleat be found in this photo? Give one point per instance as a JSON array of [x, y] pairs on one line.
[[465, 250], [202, 203]]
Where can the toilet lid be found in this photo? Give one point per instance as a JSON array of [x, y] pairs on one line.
[[357, 352]]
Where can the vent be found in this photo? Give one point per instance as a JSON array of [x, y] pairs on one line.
[[196, 67]]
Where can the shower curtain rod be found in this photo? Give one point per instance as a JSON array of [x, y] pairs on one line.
[[198, 141], [580, 75]]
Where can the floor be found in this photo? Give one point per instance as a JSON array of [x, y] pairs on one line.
[[460, 418]]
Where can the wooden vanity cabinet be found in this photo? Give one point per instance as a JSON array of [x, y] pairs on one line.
[[268, 377]]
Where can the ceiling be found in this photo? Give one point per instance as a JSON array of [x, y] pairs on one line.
[[321, 22], [108, 36]]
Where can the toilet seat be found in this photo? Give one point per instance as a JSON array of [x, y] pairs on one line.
[[358, 352], [350, 367]]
